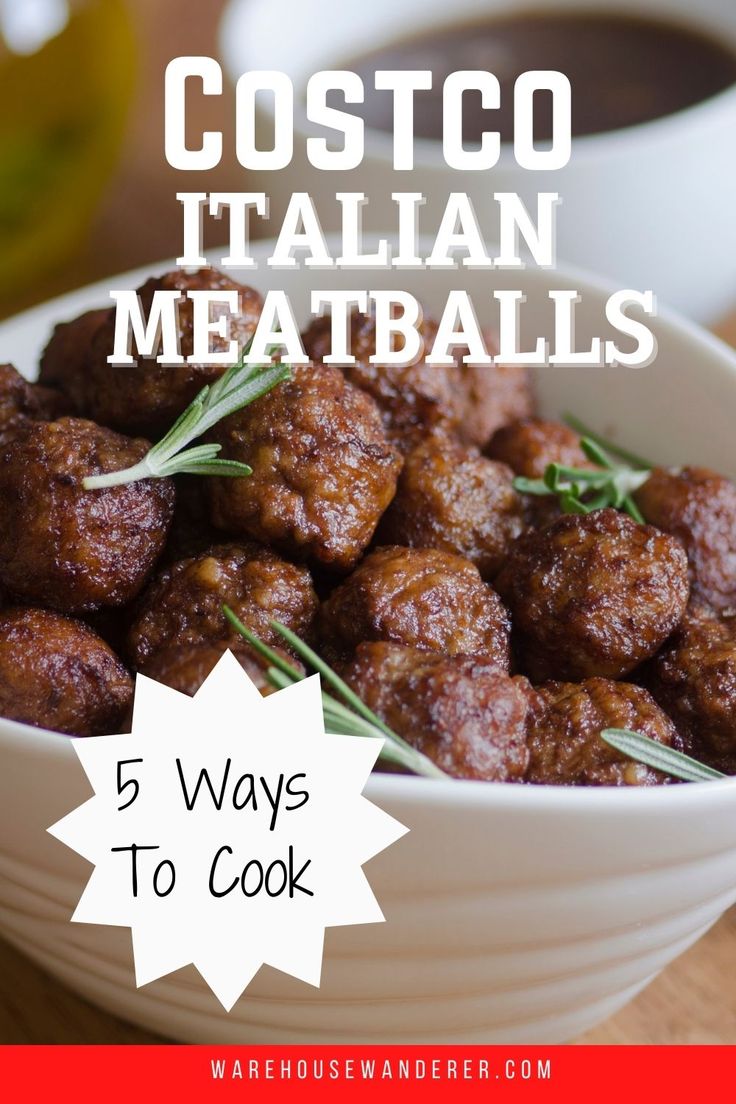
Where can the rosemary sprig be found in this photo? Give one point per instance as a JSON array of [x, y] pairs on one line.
[[240, 385], [354, 718], [659, 756], [582, 490], [351, 718]]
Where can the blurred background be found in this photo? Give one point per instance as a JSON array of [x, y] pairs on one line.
[[85, 189]]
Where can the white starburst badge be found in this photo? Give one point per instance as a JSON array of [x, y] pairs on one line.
[[228, 830]]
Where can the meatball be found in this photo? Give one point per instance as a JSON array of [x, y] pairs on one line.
[[699, 508], [422, 597], [565, 745], [462, 712], [68, 548], [56, 673], [593, 594], [184, 667], [67, 359], [145, 397], [529, 446], [414, 398], [452, 498], [22, 402], [411, 397], [183, 605], [323, 469], [694, 680], [493, 395]]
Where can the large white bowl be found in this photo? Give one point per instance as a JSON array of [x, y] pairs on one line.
[[649, 205], [514, 914]]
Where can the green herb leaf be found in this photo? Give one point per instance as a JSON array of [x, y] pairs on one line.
[[262, 649], [240, 385], [349, 718], [232, 468], [662, 758], [582, 490], [531, 486]]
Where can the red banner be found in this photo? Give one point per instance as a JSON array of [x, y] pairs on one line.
[[75, 1075]]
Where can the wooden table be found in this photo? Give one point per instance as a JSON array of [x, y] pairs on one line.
[[694, 1001]]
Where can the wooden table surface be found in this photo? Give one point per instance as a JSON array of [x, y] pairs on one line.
[[694, 1000]]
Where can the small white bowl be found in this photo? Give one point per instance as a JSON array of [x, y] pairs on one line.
[[651, 206], [514, 914]]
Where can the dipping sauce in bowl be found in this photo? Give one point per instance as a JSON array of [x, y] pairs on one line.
[[623, 69]]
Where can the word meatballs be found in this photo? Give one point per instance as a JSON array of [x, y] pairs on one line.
[[398, 319]]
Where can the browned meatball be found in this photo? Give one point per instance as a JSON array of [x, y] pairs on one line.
[[416, 397], [462, 712], [323, 469], [565, 746], [450, 497], [22, 402], [530, 445], [183, 605], [67, 359], [56, 673], [593, 594], [493, 395], [145, 397], [184, 667], [699, 508], [412, 397], [68, 548], [694, 680], [422, 597]]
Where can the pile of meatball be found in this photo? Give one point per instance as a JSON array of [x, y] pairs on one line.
[[496, 634]]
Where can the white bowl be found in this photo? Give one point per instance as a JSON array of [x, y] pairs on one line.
[[514, 914], [651, 206]]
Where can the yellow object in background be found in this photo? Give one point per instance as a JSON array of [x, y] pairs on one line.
[[66, 78]]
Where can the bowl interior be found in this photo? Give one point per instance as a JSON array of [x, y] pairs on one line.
[[562, 902]]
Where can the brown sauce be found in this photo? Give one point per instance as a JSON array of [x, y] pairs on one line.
[[623, 70]]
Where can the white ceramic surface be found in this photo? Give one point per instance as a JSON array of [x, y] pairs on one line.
[[650, 206], [514, 915]]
